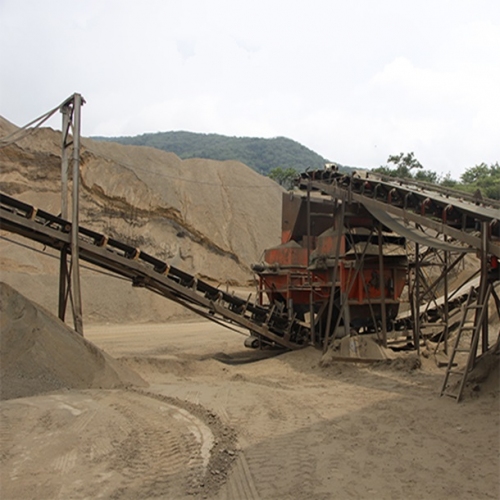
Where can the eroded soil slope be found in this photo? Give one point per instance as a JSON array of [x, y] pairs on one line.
[[209, 218]]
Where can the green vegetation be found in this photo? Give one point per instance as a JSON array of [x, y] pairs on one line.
[[404, 165], [482, 177], [281, 158], [283, 176], [263, 155]]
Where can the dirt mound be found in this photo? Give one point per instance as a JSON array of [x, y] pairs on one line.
[[485, 377], [214, 217], [39, 353], [208, 218]]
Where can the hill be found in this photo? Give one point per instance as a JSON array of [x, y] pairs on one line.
[[208, 218], [262, 155]]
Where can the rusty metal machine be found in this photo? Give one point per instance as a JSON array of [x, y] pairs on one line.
[[336, 267]]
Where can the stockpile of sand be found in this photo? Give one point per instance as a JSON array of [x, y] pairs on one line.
[[39, 353], [212, 219]]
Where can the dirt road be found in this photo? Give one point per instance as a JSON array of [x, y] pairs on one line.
[[277, 428]]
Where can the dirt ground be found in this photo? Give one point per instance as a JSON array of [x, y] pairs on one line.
[[213, 425]]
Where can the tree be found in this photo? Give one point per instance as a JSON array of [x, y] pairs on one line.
[[283, 176], [483, 177], [404, 164], [427, 176], [448, 182], [474, 174]]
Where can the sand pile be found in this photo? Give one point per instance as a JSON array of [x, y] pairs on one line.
[[486, 373], [39, 353], [212, 219]]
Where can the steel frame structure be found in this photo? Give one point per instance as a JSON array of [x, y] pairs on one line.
[[69, 276], [457, 222]]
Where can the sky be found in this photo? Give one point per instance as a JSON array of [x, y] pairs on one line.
[[354, 80]]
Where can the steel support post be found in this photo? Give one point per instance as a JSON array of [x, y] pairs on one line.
[[416, 319], [309, 277], [63, 282], [340, 233], [382, 286], [446, 312], [75, 268], [66, 121], [63, 267], [69, 281], [484, 285]]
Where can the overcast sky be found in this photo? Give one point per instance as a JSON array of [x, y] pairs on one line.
[[353, 80]]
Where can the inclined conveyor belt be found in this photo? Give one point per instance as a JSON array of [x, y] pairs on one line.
[[269, 324], [457, 214]]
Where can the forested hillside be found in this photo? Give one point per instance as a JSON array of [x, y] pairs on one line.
[[262, 155]]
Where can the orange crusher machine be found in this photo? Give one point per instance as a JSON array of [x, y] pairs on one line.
[[337, 268]]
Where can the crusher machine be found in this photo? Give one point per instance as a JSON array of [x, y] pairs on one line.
[[337, 268]]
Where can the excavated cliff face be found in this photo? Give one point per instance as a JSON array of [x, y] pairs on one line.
[[206, 217]]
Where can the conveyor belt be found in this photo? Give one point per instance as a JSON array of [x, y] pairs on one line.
[[269, 324], [456, 214]]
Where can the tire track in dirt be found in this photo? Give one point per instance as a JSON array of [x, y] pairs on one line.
[[152, 459], [282, 449], [284, 465], [5, 437], [216, 439], [240, 484], [132, 445], [275, 431], [66, 461]]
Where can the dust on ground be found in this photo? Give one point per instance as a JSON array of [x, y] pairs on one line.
[[283, 427]]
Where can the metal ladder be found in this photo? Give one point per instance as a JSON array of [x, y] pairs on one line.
[[474, 326]]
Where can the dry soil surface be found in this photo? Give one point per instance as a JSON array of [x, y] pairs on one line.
[[214, 425]]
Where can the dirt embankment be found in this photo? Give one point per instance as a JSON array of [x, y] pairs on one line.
[[212, 219]]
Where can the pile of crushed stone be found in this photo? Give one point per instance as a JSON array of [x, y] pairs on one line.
[[39, 353]]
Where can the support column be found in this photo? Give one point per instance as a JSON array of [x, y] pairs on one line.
[[484, 285], [416, 319], [63, 266], [340, 233], [309, 277], [69, 281], [75, 257], [446, 311], [382, 286]]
